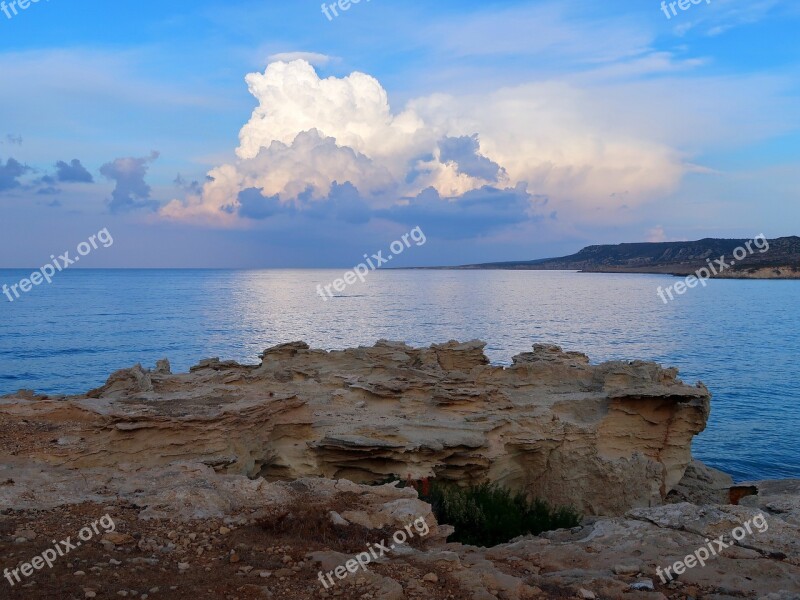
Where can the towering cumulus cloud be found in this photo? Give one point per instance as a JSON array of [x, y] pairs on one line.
[[441, 157]]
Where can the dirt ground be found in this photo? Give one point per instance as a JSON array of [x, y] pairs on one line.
[[206, 559]]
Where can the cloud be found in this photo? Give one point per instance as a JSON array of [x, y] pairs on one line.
[[313, 146], [316, 161], [10, 174], [74, 172], [475, 213], [656, 234], [312, 58], [297, 175], [542, 30], [354, 110], [253, 204], [192, 187], [723, 15], [465, 153], [131, 192], [48, 191], [343, 203]]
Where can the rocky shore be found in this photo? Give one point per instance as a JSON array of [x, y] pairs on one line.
[[247, 481]]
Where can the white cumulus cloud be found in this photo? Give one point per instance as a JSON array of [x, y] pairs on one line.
[[308, 133]]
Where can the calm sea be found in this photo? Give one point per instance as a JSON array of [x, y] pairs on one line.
[[741, 338]]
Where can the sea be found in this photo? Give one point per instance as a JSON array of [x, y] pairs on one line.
[[739, 337]]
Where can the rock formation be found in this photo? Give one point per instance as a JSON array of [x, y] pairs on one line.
[[604, 438]]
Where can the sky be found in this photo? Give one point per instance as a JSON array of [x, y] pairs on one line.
[[267, 134]]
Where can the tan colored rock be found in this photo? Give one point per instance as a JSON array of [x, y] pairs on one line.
[[118, 539], [605, 438], [702, 485]]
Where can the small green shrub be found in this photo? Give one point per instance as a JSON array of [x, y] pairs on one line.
[[487, 515]]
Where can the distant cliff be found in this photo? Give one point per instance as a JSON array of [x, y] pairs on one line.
[[777, 259]]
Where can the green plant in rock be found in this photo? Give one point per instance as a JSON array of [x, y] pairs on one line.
[[487, 514]]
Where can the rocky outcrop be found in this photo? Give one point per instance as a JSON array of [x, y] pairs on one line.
[[199, 533], [605, 438]]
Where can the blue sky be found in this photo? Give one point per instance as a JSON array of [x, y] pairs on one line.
[[505, 130]]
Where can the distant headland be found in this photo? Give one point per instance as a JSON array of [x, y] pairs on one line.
[[760, 258]]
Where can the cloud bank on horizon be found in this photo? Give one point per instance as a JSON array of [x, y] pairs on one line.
[[309, 136]]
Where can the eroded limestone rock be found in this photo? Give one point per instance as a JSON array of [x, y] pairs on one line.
[[605, 438]]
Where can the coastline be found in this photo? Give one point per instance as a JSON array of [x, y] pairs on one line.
[[785, 272]]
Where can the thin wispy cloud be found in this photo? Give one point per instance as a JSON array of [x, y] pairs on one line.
[[313, 58], [724, 15]]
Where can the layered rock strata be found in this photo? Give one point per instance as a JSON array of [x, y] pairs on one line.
[[604, 438]]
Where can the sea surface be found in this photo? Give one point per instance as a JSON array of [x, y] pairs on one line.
[[741, 338]]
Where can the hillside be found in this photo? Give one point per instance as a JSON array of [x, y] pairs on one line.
[[778, 259]]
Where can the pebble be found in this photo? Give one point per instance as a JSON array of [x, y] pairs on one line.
[[143, 560], [432, 577], [645, 585], [585, 594], [627, 569], [338, 519]]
